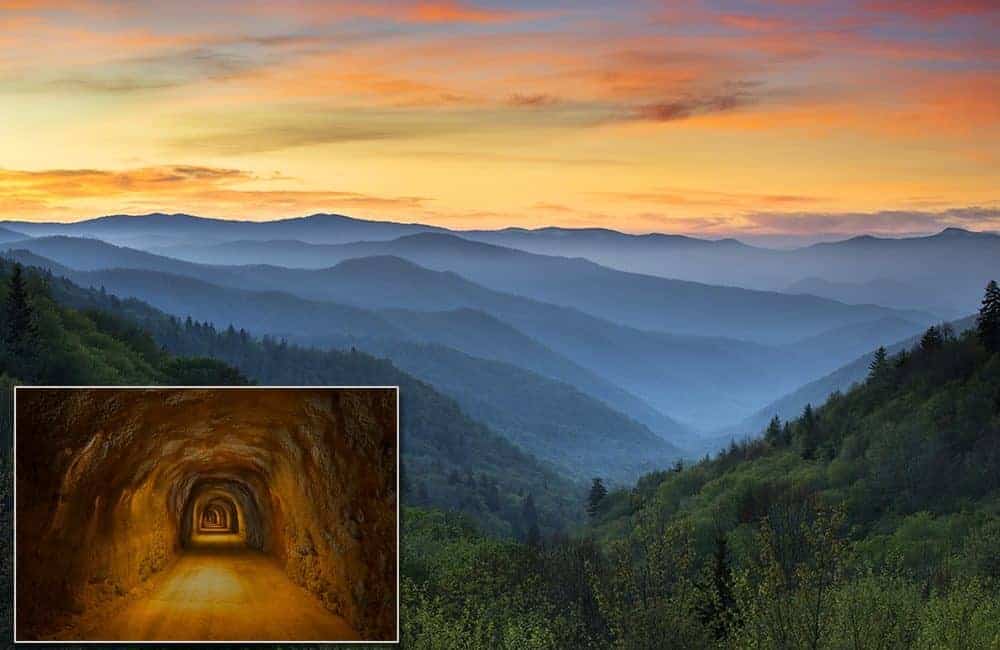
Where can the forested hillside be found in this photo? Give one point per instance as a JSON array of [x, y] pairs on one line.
[[66, 335], [872, 521], [553, 420]]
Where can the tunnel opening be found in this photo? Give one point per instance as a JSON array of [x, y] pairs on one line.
[[216, 518], [215, 507], [121, 486]]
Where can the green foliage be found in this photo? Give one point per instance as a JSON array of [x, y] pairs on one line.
[[967, 616], [45, 343], [786, 593], [877, 514], [464, 590], [647, 594], [202, 372]]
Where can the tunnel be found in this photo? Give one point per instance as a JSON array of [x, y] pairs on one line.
[[116, 488]]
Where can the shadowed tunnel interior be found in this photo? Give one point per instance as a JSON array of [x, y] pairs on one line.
[[116, 489]]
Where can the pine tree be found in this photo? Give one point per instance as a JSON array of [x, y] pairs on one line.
[[879, 364], [786, 433], [808, 432], [988, 321], [773, 432], [20, 333], [19, 319], [597, 494], [932, 339]]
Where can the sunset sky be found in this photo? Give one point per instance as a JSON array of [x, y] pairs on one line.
[[716, 119]]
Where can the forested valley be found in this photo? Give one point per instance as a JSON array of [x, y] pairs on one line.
[[869, 521]]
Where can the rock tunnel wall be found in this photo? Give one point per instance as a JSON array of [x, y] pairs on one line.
[[107, 481]]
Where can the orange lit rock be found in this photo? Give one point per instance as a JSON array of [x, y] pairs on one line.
[[111, 485]]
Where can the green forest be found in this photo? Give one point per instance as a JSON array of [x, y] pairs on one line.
[[870, 521]]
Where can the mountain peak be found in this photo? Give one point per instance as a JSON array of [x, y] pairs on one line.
[[954, 231]]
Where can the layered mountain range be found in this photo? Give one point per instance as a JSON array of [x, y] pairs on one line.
[[601, 352]]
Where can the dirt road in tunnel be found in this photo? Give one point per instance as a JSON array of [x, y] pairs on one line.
[[220, 590]]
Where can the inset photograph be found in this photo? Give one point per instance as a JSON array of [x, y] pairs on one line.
[[206, 514]]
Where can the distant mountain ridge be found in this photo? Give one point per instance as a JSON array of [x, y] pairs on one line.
[[637, 300], [696, 379], [159, 229], [950, 266]]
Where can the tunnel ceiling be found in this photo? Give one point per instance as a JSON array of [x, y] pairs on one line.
[[118, 475]]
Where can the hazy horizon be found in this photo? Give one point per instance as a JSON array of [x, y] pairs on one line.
[[775, 240]]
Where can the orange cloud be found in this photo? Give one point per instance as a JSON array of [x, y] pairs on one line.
[[455, 12], [402, 11], [934, 10], [682, 196], [62, 192]]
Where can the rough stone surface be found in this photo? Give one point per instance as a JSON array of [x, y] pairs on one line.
[[109, 483]]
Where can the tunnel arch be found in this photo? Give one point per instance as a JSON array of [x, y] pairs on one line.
[[219, 514], [115, 477], [243, 503], [215, 517]]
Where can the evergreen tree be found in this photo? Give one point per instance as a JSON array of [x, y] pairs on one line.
[[20, 333], [932, 339], [988, 321], [808, 433], [773, 432], [879, 364], [597, 494], [719, 601], [786, 433], [902, 358], [18, 316]]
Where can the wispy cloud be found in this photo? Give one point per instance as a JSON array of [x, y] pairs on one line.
[[690, 106], [60, 192], [534, 100], [687, 196]]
